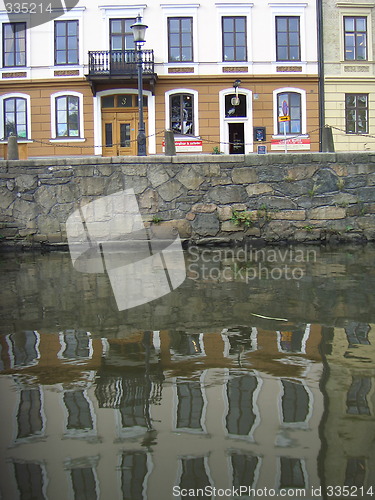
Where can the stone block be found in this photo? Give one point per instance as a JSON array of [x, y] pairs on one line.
[[206, 224], [327, 213], [157, 175], [190, 178], [204, 207], [244, 175], [229, 226], [138, 184], [289, 215], [6, 198], [228, 194], [170, 190], [300, 172], [140, 170], [257, 189], [225, 213], [26, 182]]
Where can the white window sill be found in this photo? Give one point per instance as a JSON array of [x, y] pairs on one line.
[[68, 139]]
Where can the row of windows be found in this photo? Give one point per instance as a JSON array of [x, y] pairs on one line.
[[67, 117], [180, 39], [68, 114]]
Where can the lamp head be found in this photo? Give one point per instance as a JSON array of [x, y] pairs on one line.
[[139, 30]]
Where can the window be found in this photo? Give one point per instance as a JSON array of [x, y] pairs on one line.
[[180, 39], [289, 103], [31, 480], [66, 42], [241, 417], [121, 35], [356, 113], [181, 114], [295, 402], [29, 415], [190, 405], [234, 38], [134, 473], [355, 38], [67, 116], [288, 38], [14, 45]]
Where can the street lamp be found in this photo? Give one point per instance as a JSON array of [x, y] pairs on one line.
[[139, 32]]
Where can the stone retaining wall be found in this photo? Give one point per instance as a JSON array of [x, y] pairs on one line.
[[214, 198]]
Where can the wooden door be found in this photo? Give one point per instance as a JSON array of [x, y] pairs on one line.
[[119, 133]]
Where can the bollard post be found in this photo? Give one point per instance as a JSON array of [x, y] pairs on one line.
[[169, 144], [328, 145], [12, 153]]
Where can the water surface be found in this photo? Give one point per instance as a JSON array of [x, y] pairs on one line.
[[255, 377]]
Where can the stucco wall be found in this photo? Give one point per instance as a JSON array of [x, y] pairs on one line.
[[213, 198]]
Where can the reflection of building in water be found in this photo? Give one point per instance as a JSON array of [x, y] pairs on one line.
[[350, 388], [133, 418]]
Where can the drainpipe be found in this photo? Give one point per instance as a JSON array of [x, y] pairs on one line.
[[319, 14]]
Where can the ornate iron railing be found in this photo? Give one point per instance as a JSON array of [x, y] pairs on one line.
[[120, 62]]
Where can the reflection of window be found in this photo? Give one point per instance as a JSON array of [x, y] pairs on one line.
[[289, 341], [133, 404], [66, 42], [288, 39], [24, 347], [76, 344], [187, 344], [84, 483], [244, 468], [235, 108], [355, 472], [181, 113], [190, 405], [291, 473], [239, 340], [355, 38], [289, 103], [241, 416], [79, 411], [31, 481], [29, 415], [14, 44], [67, 116], [15, 117], [234, 38], [357, 333], [134, 471], [194, 474], [356, 113], [356, 399], [180, 39], [295, 402]]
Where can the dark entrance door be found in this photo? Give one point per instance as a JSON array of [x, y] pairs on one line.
[[236, 138]]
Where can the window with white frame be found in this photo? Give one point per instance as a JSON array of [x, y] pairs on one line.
[[66, 42], [14, 45], [234, 38], [182, 111], [180, 39], [15, 117], [288, 45], [355, 38], [67, 116], [290, 102]]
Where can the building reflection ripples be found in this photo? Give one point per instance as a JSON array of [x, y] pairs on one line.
[[161, 412]]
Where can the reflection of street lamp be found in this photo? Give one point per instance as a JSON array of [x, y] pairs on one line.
[[139, 32]]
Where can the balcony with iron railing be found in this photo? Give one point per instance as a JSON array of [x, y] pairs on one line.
[[106, 65]]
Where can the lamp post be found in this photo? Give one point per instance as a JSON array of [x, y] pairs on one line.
[[139, 32]]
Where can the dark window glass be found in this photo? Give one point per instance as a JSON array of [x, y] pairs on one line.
[[295, 402], [66, 42], [240, 393], [134, 470], [84, 484], [29, 415], [125, 135], [356, 399], [79, 414], [121, 35], [108, 101], [291, 473], [356, 113], [30, 479], [288, 39], [180, 39], [190, 405], [194, 475], [108, 135], [67, 125], [235, 108], [14, 44], [24, 348], [234, 38], [290, 104], [181, 114], [125, 101], [355, 38], [244, 467]]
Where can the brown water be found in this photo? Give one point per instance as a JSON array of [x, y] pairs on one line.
[[254, 379]]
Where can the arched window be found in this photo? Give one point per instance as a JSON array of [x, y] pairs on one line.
[[289, 104], [15, 117], [67, 116], [181, 108]]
